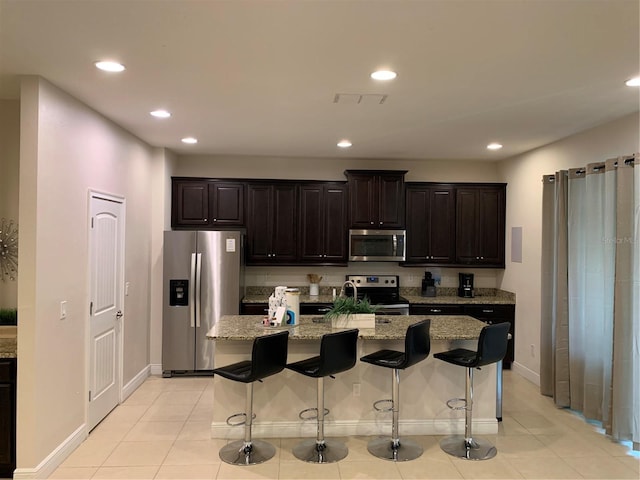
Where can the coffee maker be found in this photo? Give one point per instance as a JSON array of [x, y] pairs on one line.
[[465, 287]]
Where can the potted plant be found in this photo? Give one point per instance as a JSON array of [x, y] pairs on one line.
[[349, 312]]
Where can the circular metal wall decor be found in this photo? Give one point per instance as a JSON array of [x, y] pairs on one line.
[[8, 250]]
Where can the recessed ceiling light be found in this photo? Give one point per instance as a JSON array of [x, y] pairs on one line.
[[344, 143], [633, 82], [109, 66], [189, 140], [384, 75], [494, 146], [160, 114]]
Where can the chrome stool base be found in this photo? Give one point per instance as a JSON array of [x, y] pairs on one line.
[[402, 451], [241, 453], [475, 449], [329, 451]]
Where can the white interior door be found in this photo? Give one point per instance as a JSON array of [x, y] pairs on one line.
[[106, 249]]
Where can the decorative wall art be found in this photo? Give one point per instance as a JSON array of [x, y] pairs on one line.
[[8, 250]]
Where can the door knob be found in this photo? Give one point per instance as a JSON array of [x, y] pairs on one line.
[[119, 315]]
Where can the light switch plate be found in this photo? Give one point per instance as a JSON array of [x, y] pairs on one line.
[[63, 310]]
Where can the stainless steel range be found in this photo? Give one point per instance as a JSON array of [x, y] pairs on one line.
[[381, 290]]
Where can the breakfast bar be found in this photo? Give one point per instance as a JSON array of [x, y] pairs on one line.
[[425, 387]]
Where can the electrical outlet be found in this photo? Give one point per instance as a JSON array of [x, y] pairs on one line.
[[356, 389]]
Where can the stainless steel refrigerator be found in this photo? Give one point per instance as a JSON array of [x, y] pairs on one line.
[[203, 280]]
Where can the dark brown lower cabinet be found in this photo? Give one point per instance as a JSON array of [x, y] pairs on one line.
[[7, 417]]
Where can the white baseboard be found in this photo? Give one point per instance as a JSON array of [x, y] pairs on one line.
[[156, 369], [135, 382], [481, 426], [55, 458], [527, 373]]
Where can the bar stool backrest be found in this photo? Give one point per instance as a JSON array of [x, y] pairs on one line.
[[492, 344], [337, 352], [269, 355], [417, 343]]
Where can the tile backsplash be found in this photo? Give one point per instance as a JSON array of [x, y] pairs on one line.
[[335, 276]]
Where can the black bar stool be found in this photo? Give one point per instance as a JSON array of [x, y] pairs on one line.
[[492, 347], [337, 354], [268, 357], [416, 348]]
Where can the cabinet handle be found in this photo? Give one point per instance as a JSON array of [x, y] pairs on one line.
[[205, 219], [435, 310], [215, 219], [488, 311], [371, 223], [380, 223]]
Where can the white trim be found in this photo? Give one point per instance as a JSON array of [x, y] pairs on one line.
[[135, 382], [525, 372], [47, 466], [481, 426], [156, 369]]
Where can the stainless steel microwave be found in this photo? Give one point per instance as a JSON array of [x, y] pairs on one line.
[[377, 245]]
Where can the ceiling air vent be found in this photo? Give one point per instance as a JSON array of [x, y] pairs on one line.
[[359, 98]]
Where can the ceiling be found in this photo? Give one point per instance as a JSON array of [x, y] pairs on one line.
[[259, 77]]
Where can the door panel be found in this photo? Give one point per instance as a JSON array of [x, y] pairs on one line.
[[106, 247], [177, 333]]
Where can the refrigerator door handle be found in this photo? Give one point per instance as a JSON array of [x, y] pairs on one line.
[[198, 286], [192, 292]]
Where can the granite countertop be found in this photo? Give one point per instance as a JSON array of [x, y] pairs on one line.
[[312, 327], [8, 342], [483, 296]]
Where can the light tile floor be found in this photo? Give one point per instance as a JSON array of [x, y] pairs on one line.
[[162, 431]]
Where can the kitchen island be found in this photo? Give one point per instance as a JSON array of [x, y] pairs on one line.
[[424, 387]]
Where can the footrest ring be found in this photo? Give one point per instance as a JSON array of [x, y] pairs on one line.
[[302, 415], [451, 403], [236, 424], [379, 409]]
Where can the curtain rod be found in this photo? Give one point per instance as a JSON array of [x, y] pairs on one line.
[[627, 159]]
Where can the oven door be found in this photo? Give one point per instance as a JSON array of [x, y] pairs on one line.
[[400, 309]]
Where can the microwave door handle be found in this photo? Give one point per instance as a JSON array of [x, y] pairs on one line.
[[395, 245]]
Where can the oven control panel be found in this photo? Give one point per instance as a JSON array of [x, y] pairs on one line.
[[377, 281]]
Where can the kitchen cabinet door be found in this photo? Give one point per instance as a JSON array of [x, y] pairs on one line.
[[7, 417], [227, 204], [480, 225], [430, 224], [189, 203], [271, 224], [322, 224], [376, 198]]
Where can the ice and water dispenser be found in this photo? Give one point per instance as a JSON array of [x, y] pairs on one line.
[[179, 293]]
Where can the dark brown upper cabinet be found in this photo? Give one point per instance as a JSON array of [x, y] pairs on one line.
[[201, 203], [480, 225], [431, 224], [323, 223], [271, 223], [376, 198]]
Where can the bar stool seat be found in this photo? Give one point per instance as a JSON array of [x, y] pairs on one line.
[[416, 348], [492, 347], [268, 357], [337, 354]]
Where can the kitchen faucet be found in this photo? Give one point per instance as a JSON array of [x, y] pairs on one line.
[[353, 285]]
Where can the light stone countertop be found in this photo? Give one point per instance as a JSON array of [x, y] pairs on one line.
[[8, 341], [312, 327], [446, 296]]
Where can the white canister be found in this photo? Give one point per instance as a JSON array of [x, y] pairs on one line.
[[292, 297], [314, 289]]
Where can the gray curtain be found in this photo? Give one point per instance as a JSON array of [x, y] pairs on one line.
[[590, 325]]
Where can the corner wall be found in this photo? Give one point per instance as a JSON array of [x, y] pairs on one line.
[[523, 175], [9, 182], [66, 149]]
